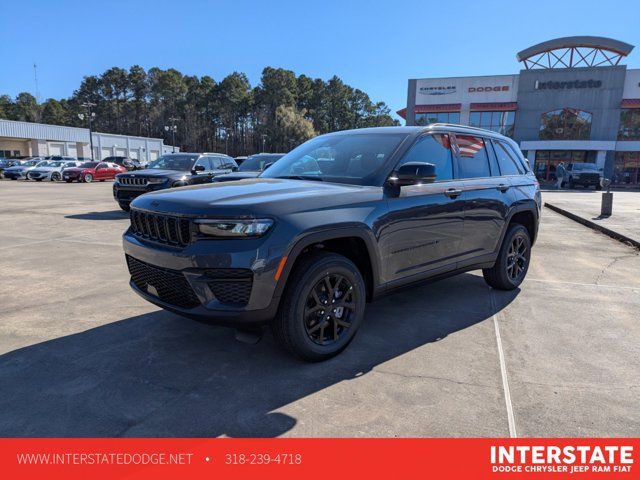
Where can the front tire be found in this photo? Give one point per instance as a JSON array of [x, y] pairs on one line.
[[88, 178], [124, 206], [513, 260], [322, 308]]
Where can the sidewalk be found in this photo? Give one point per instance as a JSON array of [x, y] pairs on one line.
[[625, 220]]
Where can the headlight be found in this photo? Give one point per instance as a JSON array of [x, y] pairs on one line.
[[155, 181], [234, 228]]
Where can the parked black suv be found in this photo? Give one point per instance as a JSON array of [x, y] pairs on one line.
[[335, 223], [171, 170], [251, 167], [583, 174]]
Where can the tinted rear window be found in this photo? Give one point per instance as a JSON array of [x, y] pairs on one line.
[[473, 161], [508, 165]]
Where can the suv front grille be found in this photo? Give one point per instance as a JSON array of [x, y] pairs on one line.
[[161, 228], [138, 181], [170, 285], [230, 285]]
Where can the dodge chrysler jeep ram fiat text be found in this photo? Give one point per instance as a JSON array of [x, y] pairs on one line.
[[337, 222]]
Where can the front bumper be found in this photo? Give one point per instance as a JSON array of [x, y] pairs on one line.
[[39, 176], [15, 175], [126, 194], [194, 262]]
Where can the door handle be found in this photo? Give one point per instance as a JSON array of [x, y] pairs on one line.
[[503, 187], [453, 192]]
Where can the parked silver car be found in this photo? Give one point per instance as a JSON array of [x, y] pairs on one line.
[[51, 171], [20, 171]]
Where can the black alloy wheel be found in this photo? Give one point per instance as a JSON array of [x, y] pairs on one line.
[[513, 260], [329, 309], [322, 306], [516, 258], [55, 177]]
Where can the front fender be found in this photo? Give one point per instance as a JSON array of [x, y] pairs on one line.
[[330, 232]]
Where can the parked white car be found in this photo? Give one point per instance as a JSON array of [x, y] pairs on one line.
[[20, 171], [52, 170]]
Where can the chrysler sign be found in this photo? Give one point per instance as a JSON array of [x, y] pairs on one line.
[[567, 85]]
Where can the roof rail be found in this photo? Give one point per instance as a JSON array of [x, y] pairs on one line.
[[465, 127]]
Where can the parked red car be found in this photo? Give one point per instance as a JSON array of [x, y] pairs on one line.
[[92, 171]]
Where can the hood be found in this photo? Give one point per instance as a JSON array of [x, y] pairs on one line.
[[152, 172], [19, 168], [228, 177], [259, 196]]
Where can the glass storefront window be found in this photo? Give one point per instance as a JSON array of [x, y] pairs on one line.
[[437, 117], [629, 124], [498, 121], [547, 161], [565, 124], [626, 169]]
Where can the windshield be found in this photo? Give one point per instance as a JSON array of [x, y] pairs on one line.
[[88, 165], [44, 163], [29, 163], [256, 163], [583, 166], [353, 158], [174, 162], [55, 164]]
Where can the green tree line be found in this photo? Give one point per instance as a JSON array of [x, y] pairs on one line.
[[230, 116]]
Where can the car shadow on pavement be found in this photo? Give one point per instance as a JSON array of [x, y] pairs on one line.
[[162, 375], [109, 215]]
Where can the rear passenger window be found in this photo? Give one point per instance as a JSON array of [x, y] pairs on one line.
[[434, 149], [473, 162], [508, 166]]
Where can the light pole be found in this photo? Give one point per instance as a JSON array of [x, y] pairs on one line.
[[173, 129], [90, 115], [264, 140]]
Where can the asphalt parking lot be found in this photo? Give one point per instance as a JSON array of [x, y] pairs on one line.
[[82, 355]]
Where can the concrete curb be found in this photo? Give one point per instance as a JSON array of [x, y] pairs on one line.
[[588, 223]]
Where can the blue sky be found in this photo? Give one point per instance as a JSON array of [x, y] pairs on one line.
[[373, 45]]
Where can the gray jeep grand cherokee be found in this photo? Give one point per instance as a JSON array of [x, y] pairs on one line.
[[337, 222]]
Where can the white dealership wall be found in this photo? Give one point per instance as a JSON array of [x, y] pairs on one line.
[[26, 138], [465, 91]]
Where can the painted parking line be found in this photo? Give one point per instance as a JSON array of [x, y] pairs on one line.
[[503, 370]]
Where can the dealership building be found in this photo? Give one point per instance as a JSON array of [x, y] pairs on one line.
[[37, 139], [573, 101]]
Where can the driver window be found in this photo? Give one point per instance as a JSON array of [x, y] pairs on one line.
[[101, 165], [435, 149], [205, 162]]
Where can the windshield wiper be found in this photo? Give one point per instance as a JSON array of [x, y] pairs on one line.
[[301, 177]]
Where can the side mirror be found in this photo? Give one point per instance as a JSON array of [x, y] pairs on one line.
[[198, 168], [413, 173]]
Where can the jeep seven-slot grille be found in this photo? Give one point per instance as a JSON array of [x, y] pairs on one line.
[[230, 285], [170, 286], [139, 181], [161, 228]]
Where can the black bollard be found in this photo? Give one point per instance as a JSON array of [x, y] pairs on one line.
[[607, 199]]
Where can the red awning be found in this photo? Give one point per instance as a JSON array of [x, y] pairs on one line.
[[630, 103], [447, 107], [494, 106]]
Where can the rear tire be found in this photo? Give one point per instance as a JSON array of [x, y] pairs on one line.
[[69, 180], [513, 260], [124, 206], [322, 307], [55, 176]]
